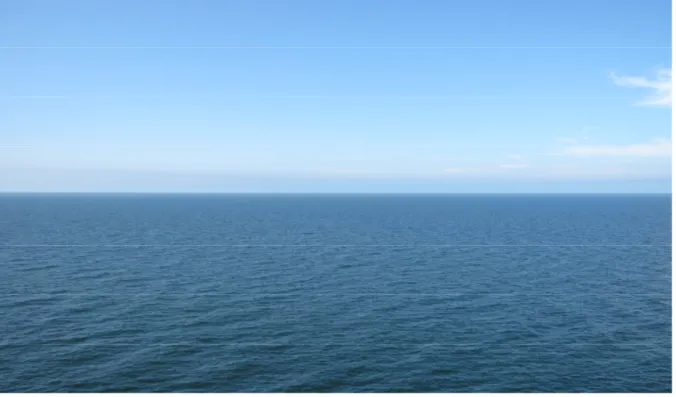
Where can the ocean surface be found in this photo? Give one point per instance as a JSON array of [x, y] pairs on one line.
[[302, 293]]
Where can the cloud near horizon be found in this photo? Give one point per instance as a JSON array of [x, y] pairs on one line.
[[513, 166], [659, 147], [461, 170], [661, 86]]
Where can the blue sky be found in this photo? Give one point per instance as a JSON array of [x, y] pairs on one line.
[[336, 95]]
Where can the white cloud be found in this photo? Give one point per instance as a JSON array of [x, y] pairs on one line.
[[661, 87], [581, 137], [656, 148], [570, 140], [566, 140], [486, 170], [514, 166]]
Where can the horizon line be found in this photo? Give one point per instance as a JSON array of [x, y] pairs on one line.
[[243, 193]]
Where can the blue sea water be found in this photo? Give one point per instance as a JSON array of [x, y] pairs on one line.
[[237, 293]]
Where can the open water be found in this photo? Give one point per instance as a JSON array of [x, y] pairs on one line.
[[264, 293]]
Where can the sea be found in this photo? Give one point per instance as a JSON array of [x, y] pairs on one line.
[[335, 293]]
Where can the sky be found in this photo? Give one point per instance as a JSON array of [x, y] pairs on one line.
[[405, 96]]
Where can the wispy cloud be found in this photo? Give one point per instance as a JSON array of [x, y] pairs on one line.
[[487, 170], [567, 140], [588, 128], [660, 147], [461, 170], [344, 171], [661, 87], [513, 166], [571, 140], [516, 163]]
